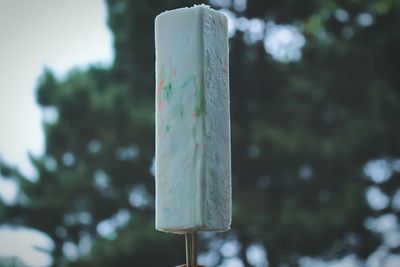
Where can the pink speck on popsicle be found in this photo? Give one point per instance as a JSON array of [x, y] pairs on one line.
[[160, 86], [174, 72], [162, 136], [160, 105], [225, 67]]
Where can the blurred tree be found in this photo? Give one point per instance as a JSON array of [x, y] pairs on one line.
[[302, 133], [11, 262]]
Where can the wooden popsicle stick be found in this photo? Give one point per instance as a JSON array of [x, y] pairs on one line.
[[194, 249], [188, 249], [191, 249]]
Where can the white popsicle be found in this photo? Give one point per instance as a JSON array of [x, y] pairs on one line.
[[193, 158]]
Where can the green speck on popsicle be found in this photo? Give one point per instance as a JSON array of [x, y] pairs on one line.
[[167, 128], [187, 81], [167, 90], [200, 108]]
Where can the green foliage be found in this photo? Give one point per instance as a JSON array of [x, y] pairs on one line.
[[137, 243], [301, 134], [11, 262]]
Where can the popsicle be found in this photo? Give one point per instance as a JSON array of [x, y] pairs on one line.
[[193, 154]]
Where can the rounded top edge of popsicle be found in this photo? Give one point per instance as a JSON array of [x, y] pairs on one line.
[[183, 9]]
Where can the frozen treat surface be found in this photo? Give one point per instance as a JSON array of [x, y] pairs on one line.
[[193, 158]]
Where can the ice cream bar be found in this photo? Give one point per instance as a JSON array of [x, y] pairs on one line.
[[193, 157]]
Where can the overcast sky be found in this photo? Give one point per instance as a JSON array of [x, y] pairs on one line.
[[34, 34]]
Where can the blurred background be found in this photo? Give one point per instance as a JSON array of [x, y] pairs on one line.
[[315, 109]]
